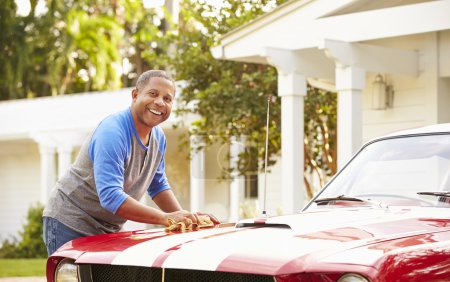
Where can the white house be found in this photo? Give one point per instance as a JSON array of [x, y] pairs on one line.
[[344, 45], [347, 45]]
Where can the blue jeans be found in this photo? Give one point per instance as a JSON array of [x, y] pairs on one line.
[[57, 234]]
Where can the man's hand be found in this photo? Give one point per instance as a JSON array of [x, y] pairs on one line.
[[212, 217], [183, 216]]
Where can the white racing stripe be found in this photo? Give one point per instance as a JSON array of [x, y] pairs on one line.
[[145, 254], [209, 254]]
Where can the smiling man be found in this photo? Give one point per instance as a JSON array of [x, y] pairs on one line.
[[119, 161]]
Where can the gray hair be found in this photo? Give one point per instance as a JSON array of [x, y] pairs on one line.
[[145, 77]]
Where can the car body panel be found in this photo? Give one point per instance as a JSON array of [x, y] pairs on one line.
[[355, 237]]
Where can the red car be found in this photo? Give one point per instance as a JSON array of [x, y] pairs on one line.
[[384, 217]]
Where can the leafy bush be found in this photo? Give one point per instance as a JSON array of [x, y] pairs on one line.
[[31, 244]]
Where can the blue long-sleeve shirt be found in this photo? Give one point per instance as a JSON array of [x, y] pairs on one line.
[[112, 165]]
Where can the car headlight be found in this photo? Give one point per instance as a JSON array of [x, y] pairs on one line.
[[352, 277], [66, 271]]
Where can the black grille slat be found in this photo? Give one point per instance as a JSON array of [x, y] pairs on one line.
[[121, 273], [183, 275]]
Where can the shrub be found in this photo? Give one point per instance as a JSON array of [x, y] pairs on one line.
[[31, 244]]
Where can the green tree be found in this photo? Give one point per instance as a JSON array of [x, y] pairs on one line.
[[320, 112], [78, 46], [81, 49], [145, 42], [12, 48], [231, 97]]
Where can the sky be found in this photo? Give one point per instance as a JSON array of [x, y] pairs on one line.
[[24, 7]]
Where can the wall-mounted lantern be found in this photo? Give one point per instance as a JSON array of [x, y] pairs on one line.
[[382, 94]]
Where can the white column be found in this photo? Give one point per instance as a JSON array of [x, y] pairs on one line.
[[64, 141], [47, 171], [197, 195], [64, 159], [292, 89], [237, 185], [350, 82], [293, 67]]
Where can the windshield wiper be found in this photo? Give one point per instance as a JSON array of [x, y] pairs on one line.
[[338, 198], [437, 194]]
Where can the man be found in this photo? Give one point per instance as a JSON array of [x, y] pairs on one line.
[[120, 160]]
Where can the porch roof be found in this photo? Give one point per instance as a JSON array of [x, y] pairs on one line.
[[74, 112], [303, 24]]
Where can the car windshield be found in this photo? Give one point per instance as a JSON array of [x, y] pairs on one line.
[[392, 172]]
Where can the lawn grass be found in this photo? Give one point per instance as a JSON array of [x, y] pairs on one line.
[[22, 267]]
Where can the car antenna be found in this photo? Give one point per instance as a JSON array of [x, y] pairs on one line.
[[269, 99]]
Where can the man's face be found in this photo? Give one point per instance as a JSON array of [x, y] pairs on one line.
[[152, 104]]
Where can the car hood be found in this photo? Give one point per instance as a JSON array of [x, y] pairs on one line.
[[272, 245]]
